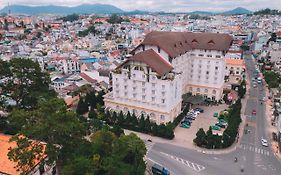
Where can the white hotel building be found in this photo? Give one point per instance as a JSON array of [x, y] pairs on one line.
[[164, 67]]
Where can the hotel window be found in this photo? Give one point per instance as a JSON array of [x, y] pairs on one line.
[[153, 98], [191, 76], [206, 90], [199, 76], [209, 55], [143, 76], [200, 66], [218, 56], [216, 73], [163, 86], [125, 87], [134, 95], [162, 117], [198, 89], [125, 93], [163, 100], [143, 97], [163, 93], [143, 83], [153, 92], [199, 71], [153, 84], [216, 78], [216, 68], [191, 71], [134, 88], [134, 82], [192, 54], [117, 92], [200, 55], [207, 72], [209, 62], [116, 79], [134, 75], [143, 90]]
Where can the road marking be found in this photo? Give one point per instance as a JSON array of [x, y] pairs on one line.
[[258, 150], [261, 151], [196, 167]]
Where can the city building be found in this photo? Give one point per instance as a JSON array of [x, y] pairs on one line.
[[165, 66]]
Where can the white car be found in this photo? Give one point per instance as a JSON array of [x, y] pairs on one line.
[[264, 142]]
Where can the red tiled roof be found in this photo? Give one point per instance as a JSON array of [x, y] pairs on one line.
[[153, 60], [177, 43], [87, 78]]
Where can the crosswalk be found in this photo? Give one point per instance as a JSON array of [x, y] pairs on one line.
[[255, 149], [196, 167]]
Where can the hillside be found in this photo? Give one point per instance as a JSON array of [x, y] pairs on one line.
[[81, 9]]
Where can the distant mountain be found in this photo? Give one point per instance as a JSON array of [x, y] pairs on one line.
[[237, 11], [81, 9], [202, 13]]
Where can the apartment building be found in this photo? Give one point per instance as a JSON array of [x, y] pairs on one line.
[[164, 67]]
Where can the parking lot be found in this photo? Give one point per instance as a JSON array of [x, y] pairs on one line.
[[204, 120]]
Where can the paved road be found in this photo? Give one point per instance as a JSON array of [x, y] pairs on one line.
[[252, 156]]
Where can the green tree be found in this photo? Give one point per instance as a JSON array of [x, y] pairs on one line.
[[210, 138], [25, 83], [79, 165], [115, 19], [92, 114], [53, 124], [273, 79], [82, 107], [242, 89], [201, 138]]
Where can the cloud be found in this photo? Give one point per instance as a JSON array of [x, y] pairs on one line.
[[160, 5]]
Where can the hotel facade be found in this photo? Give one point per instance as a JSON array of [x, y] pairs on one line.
[[165, 66]]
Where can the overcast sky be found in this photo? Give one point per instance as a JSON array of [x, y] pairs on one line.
[[160, 5]]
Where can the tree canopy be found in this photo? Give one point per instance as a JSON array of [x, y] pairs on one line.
[[24, 83]]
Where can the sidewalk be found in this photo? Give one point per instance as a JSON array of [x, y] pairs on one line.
[[270, 128]]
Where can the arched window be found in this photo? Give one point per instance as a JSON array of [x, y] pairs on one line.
[[206, 90], [214, 91], [198, 89]]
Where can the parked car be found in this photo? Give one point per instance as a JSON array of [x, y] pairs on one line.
[[184, 125], [216, 128], [186, 121], [199, 109], [220, 125], [264, 142], [254, 112]]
